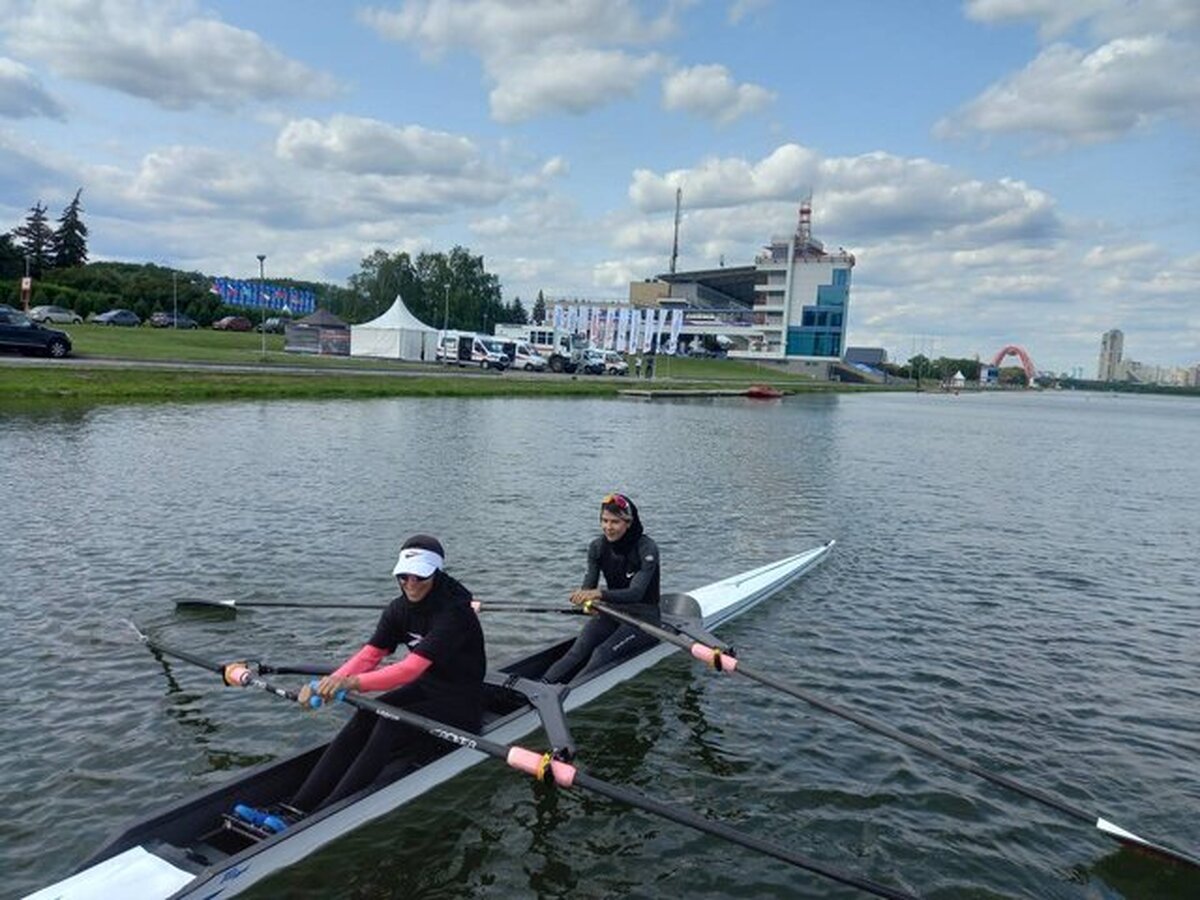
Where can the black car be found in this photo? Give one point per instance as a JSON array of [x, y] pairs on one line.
[[170, 319], [19, 332]]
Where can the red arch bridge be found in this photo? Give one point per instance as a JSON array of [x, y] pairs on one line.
[[1019, 353]]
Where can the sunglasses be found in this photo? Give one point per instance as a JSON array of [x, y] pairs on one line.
[[408, 576], [617, 500]]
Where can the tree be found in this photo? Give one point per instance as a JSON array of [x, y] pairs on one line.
[[12, 263], [515, 313], [69, 241], [539, 309], [36, 240], [434, 286]]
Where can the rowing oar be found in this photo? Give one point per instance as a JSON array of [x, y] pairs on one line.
[[724, 662], [543, 765], [479, 605]]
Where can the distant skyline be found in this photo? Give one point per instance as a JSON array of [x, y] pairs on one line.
[[1006, 171]]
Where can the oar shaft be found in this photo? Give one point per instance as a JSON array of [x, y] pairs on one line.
[[561, 773], [723, 662], [480, 606], [721, 830]]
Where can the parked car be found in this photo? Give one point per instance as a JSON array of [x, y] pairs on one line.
[[273, 325], [45, 314], [123, 317], [233, 323], [171, 320], [19, 332], [614, 363]]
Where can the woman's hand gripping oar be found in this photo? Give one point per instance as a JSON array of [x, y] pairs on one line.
[[725, 662]]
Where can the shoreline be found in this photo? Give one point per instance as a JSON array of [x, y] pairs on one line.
[[79, 381]]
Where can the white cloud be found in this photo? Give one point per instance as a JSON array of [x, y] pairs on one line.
[[741, 9], [22, 94], [1077, 96], [367, 146], [710, 92], [164, 52], [571, 82], [541, 56], [1106, 18]]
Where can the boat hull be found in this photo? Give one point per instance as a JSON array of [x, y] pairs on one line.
[[158, 857]]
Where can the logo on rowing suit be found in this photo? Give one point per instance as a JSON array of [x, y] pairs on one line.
[[630, 574], [232, 873], [650, 558], [414, 638], [454, 738]]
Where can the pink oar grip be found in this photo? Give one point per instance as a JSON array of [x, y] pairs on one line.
[[708, 656], [529, 762], [237, 675], [476, 605]]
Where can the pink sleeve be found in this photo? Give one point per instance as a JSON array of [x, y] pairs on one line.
[[364, 660], [406, 671]]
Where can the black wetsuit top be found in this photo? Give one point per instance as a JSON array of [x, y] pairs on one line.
[[630, 574]]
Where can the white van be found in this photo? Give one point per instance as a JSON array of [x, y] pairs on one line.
[[472, 350], [525, 357]]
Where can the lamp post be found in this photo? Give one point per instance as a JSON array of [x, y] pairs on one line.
[[446, 326], [262, 309], [175, 297]]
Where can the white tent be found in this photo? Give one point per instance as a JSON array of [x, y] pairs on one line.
[[397, 334]]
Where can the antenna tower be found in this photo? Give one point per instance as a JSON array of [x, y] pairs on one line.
[[675, 243]]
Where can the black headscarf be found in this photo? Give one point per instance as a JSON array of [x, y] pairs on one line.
[[630, 538]]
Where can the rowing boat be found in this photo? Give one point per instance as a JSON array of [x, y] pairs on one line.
[[195, 848]]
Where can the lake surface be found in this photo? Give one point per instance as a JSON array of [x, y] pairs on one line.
[[1015, 577]]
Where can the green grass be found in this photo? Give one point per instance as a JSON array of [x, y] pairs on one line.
[[75, 382], [26, 386]]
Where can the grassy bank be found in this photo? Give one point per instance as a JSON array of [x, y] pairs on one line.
[[78, 381]]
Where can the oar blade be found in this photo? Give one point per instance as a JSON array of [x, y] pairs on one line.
[[1140, 844], [205, 603]]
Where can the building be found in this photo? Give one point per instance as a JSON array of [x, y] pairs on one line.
[[792, 304], [1112, 348]]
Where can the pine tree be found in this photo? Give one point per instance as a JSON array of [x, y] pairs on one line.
[[70, 238], [539, 310], [12, 263], [36, 240]]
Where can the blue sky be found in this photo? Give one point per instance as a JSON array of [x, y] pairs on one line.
[[1006, 171]]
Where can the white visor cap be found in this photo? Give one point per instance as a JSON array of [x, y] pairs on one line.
[[418, 561]]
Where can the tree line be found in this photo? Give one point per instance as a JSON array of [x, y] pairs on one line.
[[921, 367], [452, 289]]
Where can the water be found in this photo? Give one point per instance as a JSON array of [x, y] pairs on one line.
[[1014, 577]]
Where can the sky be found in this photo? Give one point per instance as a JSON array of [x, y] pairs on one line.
[[1005, 171]]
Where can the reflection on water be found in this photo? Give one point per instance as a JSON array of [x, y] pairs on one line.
[[1014, 578]]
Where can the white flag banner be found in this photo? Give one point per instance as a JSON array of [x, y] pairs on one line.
[[676, 327], [635, 317], [610, 329], [647, 329], [560, 317], [596, 335], [573, 319], [622, 330], [660, 345]]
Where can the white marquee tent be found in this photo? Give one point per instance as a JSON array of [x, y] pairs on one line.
[[397, 334]]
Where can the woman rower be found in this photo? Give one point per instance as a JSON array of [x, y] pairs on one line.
[[628, 559], [440, 678]]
